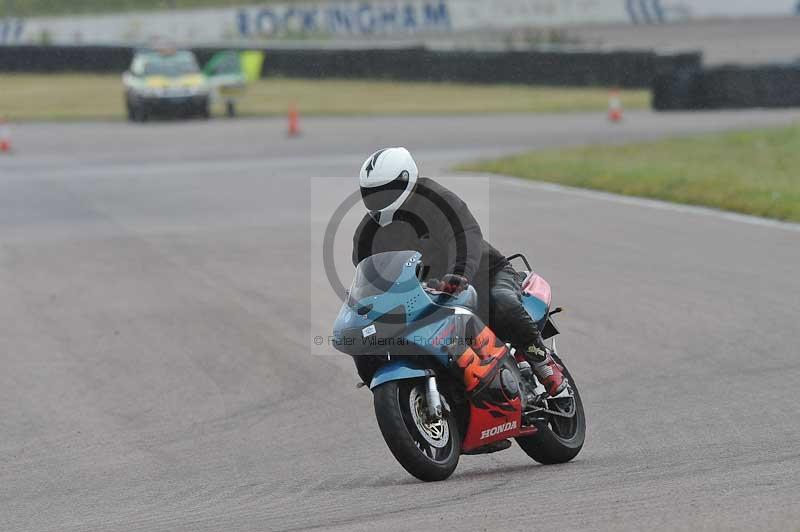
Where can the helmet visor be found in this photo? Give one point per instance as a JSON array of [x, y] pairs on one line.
[[379, 198]]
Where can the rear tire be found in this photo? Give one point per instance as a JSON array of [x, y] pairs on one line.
[[406, 436], [558, 440]]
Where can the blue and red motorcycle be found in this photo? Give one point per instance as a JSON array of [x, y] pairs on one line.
[[404, 338]]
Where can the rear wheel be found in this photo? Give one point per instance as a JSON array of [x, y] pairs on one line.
[[559, 439], [427, 450]]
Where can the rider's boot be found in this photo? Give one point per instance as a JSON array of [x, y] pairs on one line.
[[547, 370]]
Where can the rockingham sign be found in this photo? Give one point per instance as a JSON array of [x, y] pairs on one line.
[[355, 19], [363, 18]]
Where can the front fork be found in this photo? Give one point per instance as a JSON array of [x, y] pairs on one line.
[[434, 399]]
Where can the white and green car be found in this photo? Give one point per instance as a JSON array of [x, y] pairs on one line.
[[166, 83]]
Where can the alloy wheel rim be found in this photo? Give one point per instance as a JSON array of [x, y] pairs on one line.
[[436, 433]]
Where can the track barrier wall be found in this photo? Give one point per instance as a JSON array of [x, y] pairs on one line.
[[562, 68], [728, 87]]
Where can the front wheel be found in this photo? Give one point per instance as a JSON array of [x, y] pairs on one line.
[[138, 113], [427, 450], [559, 439]]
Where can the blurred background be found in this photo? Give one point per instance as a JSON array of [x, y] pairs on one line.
[[688, 55], [145, 60]]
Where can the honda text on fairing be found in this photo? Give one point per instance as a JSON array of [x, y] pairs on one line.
[[404, 335]]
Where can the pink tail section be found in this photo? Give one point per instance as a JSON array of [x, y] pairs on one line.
[[535, 285]]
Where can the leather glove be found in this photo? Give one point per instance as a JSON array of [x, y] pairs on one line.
[[453, 284], [537, 351], [432, 283]]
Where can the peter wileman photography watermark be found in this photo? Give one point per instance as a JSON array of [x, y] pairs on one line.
[[395, 341], [412, 219], [333, 256]]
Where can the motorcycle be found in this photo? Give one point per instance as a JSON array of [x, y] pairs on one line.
[[404, 335]]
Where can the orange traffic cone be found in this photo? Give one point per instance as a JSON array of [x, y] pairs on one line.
[[614, 107], [5, 136], [294, 121]]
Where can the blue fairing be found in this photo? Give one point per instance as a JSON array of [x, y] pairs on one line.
[[395, 371], [535, 307], [434, 338], [373, 299], [388, 315]]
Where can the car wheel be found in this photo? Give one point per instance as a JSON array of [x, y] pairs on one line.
[[139, 113]]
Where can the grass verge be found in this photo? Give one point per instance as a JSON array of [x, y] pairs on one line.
[[82, 97], [753, 172]]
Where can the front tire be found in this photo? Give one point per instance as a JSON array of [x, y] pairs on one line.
[[426, 450], [559, 439], [138, 113]]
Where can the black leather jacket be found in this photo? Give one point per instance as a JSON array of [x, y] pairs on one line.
[[438, 224]]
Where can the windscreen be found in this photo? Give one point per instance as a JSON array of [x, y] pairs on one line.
[[376, 274], [171, 65]]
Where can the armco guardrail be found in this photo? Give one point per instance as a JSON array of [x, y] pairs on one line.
[[728, 87], [617, 68]]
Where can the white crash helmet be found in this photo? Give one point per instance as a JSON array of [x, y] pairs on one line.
[[387, 178]]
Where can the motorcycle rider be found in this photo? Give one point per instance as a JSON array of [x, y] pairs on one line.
[[407, 211]]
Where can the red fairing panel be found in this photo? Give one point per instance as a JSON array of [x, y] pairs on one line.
[[495, 408], [485, 428]]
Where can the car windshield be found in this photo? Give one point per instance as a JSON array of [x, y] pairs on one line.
[[171, 65], [376, 274]]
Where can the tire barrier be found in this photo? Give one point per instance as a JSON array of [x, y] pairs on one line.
[[562, 68], [97, 59], [728, 87]]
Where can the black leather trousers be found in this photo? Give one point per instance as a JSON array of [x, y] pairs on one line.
[[507, 317]]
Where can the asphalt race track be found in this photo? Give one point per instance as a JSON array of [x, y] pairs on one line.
[[161, 287]]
